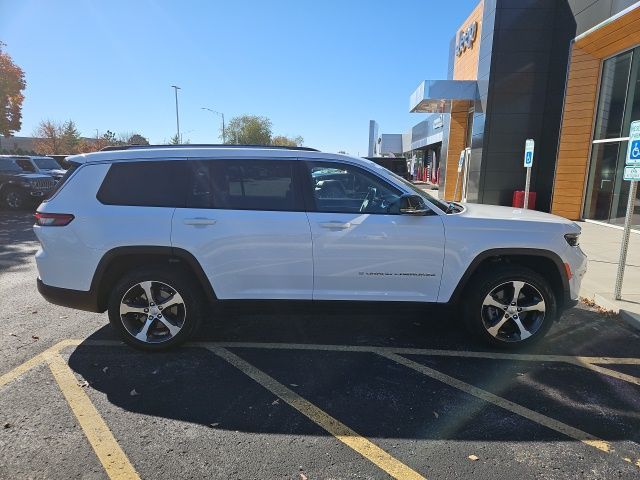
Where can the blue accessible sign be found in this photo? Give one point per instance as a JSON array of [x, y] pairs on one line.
[[633, 151], [528, 153]]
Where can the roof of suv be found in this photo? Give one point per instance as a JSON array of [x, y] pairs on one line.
[[199, 151]]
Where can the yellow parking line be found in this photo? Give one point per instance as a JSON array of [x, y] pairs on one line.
[[34, 361], [353, 440], [113, 459], [585, 362], [536, 417]]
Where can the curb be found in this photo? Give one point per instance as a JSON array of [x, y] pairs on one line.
[[630, 318]]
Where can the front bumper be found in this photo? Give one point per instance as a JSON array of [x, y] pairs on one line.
[[78, 299]]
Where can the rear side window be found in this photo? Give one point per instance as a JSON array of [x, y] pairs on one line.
[[145, 183], [254, 185], [72, 168]]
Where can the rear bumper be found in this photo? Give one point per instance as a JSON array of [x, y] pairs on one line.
[[78, 299]]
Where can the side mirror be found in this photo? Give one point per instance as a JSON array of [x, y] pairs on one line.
[[412, 205]]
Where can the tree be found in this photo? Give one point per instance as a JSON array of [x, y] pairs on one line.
[[248, 130], [12, 83], [70, 139], [137, 139], [48, 137], [175, 140], [284, 141]]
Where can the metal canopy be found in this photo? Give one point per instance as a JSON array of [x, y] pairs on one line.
[[435, 96]]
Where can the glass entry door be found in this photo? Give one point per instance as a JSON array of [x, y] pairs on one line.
[[618, 105]]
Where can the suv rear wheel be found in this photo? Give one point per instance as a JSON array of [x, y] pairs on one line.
[[153, 309], [509, 306]]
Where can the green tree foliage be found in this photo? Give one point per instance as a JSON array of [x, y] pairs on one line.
[[248, 130], [137, 139], [12, 83], [70, 139], [175, 140], [284, 141]]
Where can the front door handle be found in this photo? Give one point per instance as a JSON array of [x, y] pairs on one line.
[[336, 225], [199, 221]]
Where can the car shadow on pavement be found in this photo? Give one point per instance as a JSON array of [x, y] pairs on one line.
[[373, 395], [16, 229]]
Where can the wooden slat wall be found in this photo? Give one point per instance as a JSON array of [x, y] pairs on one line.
[[575, 134], [579, 109], [465, 66], [457, 135]]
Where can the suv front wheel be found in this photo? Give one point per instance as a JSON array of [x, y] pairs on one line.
[[153, 309], [509, 306]]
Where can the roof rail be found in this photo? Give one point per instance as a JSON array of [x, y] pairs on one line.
[[205, 145]]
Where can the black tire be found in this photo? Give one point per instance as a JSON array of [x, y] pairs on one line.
[[187, 318], [480, 318], [14, 198]]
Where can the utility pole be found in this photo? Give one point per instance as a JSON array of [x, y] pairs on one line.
[[176, 88], [224, 139]]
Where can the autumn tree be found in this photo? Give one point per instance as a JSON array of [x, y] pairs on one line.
[[48, 138], [12, 83]]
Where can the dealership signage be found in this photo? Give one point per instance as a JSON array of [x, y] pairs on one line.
[[437, 122], [466, 38]]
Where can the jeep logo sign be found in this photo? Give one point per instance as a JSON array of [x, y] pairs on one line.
[[466, 38]]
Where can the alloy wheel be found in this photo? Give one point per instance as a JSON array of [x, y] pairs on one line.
[[13, 199], [513, 311], [152, 311]]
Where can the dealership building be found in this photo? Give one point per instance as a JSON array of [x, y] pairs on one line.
[[565, 73]]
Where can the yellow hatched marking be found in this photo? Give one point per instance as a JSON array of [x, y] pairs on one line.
[[113, 459], [34, 362], [353, 440], [489, 397]]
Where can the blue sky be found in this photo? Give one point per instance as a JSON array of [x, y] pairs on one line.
[[319, 69]]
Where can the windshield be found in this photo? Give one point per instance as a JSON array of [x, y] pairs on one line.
[[8, 165], [47, 163]]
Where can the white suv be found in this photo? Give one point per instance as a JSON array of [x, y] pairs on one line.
[[152, 234]]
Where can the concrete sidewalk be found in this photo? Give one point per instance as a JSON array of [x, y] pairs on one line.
[[602, 246]]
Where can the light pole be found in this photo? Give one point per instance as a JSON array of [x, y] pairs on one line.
[[176, 88], [224, 140]]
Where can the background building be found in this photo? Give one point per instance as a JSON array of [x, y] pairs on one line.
[[563, 72]]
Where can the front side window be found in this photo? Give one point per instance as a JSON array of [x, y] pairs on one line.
[[47, 163], [344, 188], [8, 165]]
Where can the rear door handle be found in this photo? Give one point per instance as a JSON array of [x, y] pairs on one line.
[[199, 221], [336, 225]]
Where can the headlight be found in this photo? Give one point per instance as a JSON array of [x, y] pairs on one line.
[[25, 183], [572, 239]]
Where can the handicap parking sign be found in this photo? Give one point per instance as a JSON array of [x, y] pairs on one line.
[[528, 152], [634, 151]]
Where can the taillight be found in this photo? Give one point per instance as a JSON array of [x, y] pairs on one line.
[[53, 219]]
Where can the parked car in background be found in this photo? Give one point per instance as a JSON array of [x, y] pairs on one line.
[[20, 188], [44, 165], [151, 234], [397, 165]]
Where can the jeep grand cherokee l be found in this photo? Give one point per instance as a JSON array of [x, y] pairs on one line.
[[18, 188], [152, 234]]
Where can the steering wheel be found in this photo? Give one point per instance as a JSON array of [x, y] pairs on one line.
[[371, 194]]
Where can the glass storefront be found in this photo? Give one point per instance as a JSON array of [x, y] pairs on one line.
[[618, 105]]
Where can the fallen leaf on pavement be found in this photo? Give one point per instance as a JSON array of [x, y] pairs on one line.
[[293, 384], [213, 425], [35, 311], [473, 458], [133, 393], [7, 425], [276, 402], [83, 383], [35, 337], [435, 414], [303, 476], [104, 370]]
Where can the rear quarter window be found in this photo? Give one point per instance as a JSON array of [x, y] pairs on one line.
[[145, 184]]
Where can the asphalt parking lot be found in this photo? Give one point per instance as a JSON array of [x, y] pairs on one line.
[[304, 391]]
